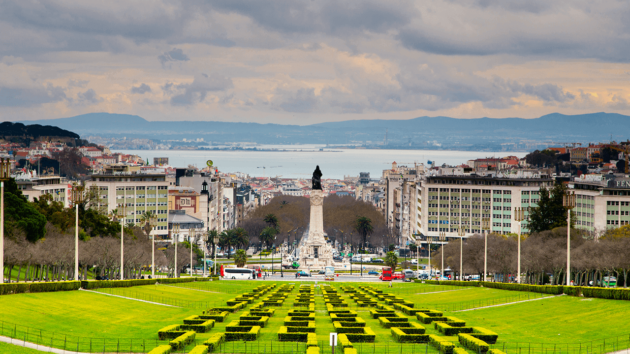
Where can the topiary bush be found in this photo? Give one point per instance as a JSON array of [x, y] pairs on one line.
[[200, 349], [442, 344], [215, 341], [162, 349], [183, 340], [485, 335], [473, 343]]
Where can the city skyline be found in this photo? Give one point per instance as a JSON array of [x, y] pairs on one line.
[[310, 62]]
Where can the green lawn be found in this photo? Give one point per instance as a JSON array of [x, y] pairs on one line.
[[562, 319], [16, 349], [96, 322]]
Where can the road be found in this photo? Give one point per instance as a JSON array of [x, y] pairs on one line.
[[341, 278]]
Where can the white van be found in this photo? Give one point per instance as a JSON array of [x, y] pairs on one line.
[[409, 274], [238, 273]]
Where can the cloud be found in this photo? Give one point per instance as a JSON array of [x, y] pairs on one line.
[[30, 96], [200, 87], [77, 83], [174, 54], [88, 97], [142, 89]]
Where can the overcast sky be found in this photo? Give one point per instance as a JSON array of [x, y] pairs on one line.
[[303, 61]]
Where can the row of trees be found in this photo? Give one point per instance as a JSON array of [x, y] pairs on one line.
[[544, 256]]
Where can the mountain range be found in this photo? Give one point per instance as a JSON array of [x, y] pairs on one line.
[[421, 132]]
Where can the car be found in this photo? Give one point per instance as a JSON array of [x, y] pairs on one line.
[[302, 273], [377, 260], [414, 261], [322, 272], [338, 259], [373, 272], [398, 275]]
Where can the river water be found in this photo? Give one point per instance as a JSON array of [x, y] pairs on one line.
[[334, 163]]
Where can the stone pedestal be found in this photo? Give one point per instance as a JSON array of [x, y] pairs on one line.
[[316, 252]]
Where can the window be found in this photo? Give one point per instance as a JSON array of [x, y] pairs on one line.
[[140, 188], [496, 216], [185, 202], [507, 192], [507, 216], [507, 225], [507, 208], [486, 191], [525, 193]]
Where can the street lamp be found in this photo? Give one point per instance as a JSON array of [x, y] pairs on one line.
[[176, 229], [568, 200], [273, 249], [442, 239], [519, 216], [429, 242], [216, 242], [418, 242], [281, 257], [191, 237], [461, 233], [78, 196], [5, 165], [151, 223], [485, 225]]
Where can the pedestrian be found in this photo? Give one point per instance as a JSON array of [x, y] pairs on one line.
[[390, 283]]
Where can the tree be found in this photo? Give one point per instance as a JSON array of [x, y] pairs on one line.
[[20, 215], [271, 220], [391, 260], [550, 212], [267, 236], [227, 239], [211, 235], [364, 227], [241, 238], [240, 258], [542, 158]]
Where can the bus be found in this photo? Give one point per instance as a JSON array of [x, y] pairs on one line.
[[329, 273], [238, 273], [386, 275]]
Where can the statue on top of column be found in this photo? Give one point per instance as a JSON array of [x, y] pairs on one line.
[[317, 178]]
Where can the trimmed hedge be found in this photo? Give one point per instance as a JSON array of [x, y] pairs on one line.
[[20, 288], [311, 340], [214, 341], [426, 319], [367, 336], [473, 343], [460, 351], [455, 322], [266, 312], [217, 316], [182, 341], [95, 284], [171, 331], [244, 333], [449, 330], [495, 351], [162, 349], [402, 337], [312, 350], [348, 324], [200, 349], [198, 328], [350, 351], [485, 335], [381, 313], [294, 334], [442, 344], [230, 309], [343, 342]]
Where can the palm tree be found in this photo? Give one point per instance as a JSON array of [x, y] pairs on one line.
[[227, 240], [211, 234], [144, 219], [391, 260], [271, 220], [267, 236], [363, 226], [240, 258], [241, 237]]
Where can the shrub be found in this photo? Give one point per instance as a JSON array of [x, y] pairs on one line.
[[171, 331], [214, 341], [200, 349], [442, 344], [245, 333], [345, 324], [312, 350], [455, 322], [460, 351], [95, 284], [284, 335], [199, 328], [485, 335], [381, 313], [349, 351], [367, 336], [266, 312], [448, 330], [162, 349], [473, 343], [20, 288], [254, 321], [182, 341], [495, 351], [410, 335], [426, 319], [311, 340], [343, 341], [210, 315]]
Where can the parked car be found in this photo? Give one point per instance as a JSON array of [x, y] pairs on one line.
[[398, 275], [302, 273], [414, 261], [373, 272], [338, 259], [322, 272], [377, 260]]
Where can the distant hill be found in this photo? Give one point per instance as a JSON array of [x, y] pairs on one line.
[[421, 132], [19, 132]]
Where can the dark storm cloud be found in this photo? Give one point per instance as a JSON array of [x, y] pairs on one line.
[[198, 90], [175, 54], [142, 89]]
